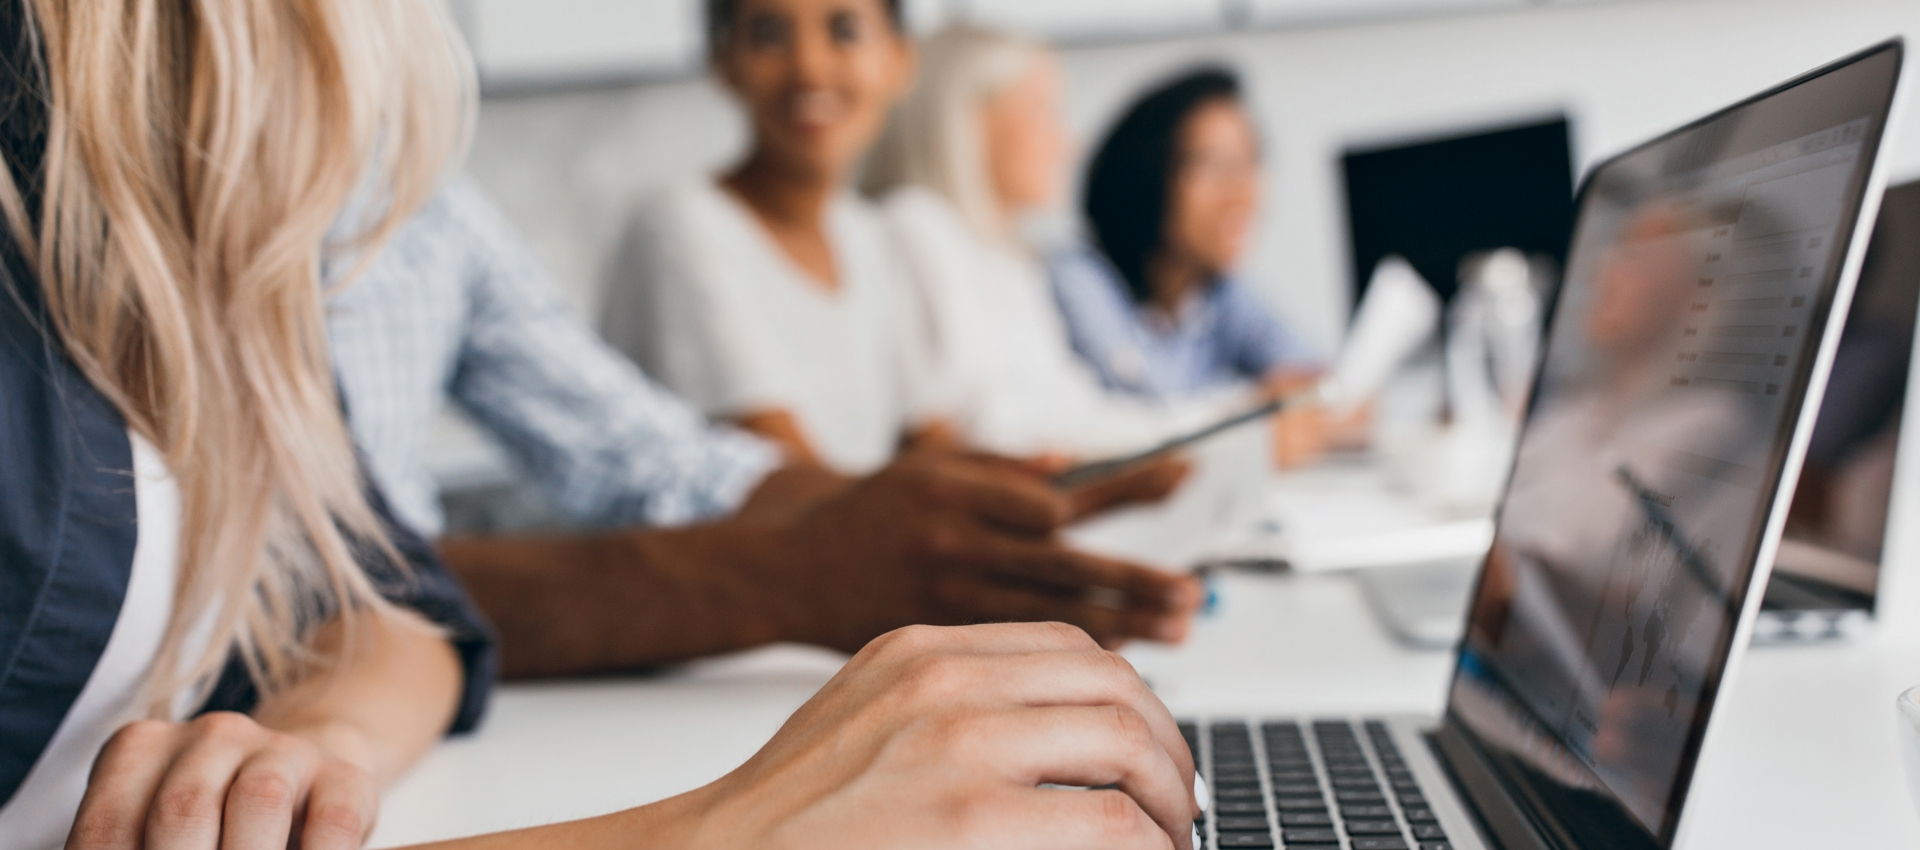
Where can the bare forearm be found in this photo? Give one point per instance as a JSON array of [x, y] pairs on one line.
[[618, 602], [668, 823], [389, 701]]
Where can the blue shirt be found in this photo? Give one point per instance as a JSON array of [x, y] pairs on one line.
[[1222, 335], [456, 309]]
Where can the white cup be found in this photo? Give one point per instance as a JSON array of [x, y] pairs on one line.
[[1909, 720]]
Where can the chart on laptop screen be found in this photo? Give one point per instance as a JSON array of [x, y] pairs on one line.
[[1698, 284]]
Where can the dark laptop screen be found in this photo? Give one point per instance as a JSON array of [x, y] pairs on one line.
[[1830, 556], [1435, 201], [1700, 277]]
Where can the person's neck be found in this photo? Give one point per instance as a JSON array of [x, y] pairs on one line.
[[1173, 280], [783, 197]]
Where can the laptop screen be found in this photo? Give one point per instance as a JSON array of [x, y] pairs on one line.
[[1700, 276], [1829, 558]]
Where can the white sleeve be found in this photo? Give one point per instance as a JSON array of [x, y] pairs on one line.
[[681, 301], [928, 387]]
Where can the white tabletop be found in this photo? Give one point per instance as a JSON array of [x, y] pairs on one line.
[[1807, 759]]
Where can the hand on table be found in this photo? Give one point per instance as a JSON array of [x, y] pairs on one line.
[[940, 738], [224, 782], [1300, 436], [946, 539]]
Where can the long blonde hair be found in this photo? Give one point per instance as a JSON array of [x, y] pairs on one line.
[[198, 152], [935, 139]]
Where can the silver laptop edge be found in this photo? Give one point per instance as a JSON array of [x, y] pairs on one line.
[[1414, 737], [1876, 189]]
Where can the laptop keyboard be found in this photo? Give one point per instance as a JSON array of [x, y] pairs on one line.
[[1319, 786]]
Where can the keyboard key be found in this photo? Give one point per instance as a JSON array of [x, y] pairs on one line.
[[1242, 824], [1413, 800], [1310, 835], [1346, 795], [1300, 804], [1245, 839], [1240, 807], [1365, 812], [1429, 832], [1371, 843], [1435, 845], [1320, 818], [1236, 792], [1420, 815], [1372, 827], [1296, 789], [1294, 776]]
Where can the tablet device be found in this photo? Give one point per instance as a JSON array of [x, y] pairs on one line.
[[1090, 472]]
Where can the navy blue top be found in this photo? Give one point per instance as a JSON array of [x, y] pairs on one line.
[[68, 516]]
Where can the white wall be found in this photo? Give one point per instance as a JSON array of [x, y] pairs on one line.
[[564, 166]]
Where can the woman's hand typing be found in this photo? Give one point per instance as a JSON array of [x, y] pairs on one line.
[[943, 737]]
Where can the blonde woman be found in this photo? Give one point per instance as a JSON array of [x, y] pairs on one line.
[[182, 528], [979, 144]]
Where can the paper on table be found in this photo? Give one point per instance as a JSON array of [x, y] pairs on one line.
[[1468, 538], [1397, 316]]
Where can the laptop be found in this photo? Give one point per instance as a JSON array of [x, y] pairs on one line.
[[1826, 575], [1708, 278]]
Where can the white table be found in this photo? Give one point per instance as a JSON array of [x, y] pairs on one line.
[[1807, 758]]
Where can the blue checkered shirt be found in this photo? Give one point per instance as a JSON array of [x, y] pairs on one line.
[[457, 309]]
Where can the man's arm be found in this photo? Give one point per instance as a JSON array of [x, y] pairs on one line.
[[625, 600], [933, 539], [610, 446]]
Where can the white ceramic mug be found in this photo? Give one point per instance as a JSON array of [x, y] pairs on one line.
[[1909, 719]]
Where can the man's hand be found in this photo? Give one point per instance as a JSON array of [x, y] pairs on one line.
[[936, 538], [944, 539]]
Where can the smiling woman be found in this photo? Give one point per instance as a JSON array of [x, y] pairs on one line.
[[769, 295]]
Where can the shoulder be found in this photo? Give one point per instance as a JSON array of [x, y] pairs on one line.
[[682, 204], [1082, 274], [1231, 293], [460, 211], [855, 214], [689, 226], [929, 229], [920, 207]]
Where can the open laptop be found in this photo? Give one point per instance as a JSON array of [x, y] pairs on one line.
[[1708, 277], [1826, 575]]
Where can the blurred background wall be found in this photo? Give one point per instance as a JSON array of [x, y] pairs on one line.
[[592, 101]]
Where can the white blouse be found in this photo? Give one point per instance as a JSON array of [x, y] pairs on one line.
[[41, 812], [1017, 386], [706, 302]]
